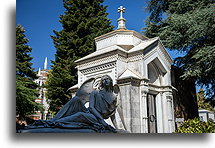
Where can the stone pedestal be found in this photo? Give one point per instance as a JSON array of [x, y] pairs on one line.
[[130, 99]]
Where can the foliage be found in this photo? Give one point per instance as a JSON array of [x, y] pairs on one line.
[[23, 58], [26, 94], [188, 27], [82, 22], [202, 102], [26, 91], [196, 126]]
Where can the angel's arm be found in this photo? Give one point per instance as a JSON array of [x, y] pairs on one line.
[[94, 111]]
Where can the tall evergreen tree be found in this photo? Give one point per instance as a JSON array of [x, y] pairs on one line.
[[26, 92], [187, 26], [82, 21]]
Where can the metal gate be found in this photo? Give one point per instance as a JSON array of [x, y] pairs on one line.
[[151, 112]]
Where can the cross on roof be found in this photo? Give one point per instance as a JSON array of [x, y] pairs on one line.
[[121, 10]]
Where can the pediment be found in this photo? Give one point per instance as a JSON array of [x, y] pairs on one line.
[[129, 73], [126, 47]]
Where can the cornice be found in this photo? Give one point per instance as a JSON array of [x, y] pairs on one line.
[[120, 31], [167, 88]]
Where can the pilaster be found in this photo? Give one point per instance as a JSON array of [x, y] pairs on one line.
[[144, 119], [170, 110]]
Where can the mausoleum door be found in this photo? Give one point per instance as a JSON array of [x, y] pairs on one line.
[[151, 110]]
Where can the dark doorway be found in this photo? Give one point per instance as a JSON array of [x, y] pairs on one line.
[[151, 111]]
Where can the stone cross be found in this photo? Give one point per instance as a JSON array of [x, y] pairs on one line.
[[121, 10], [121, 20]]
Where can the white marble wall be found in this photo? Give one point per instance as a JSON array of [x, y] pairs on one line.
[[145, 66], [126, 105]]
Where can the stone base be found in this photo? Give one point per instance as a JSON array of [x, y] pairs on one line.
[[60, 130], [56, 130]]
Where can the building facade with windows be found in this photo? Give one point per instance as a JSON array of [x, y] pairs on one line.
[[42, 77]]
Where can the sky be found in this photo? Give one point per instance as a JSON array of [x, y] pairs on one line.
[[40, 17]]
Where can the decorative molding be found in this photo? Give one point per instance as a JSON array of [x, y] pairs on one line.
[[166, 61], [98, 68], [162, 89], [97, 62], [135, 58], [102, 61], [98, 74], [160, 45], [169, 98], [144, 93], [119, 32], [144, 82], [149, 54], [121, 58], [161, 53]]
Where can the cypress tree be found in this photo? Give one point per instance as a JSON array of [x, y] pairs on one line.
[[83, 20], [26, 92]]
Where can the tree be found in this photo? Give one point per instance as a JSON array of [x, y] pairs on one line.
[[202, 102], [26, 92], [188, 27], [82, 21]]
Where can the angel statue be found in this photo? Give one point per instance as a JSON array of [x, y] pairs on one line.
[[74, 114]]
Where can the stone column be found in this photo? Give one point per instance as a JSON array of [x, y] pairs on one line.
[[143, 108], [159, 111], [170, 111], [165, 113]]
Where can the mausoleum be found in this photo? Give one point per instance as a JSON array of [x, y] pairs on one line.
[[141, 67]]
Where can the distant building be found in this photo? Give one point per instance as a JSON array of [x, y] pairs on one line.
[[206, 115], [42, 77]]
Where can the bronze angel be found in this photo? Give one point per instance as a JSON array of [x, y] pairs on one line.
[[74, 114]]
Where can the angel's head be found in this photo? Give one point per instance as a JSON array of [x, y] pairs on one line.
[[106, 83]]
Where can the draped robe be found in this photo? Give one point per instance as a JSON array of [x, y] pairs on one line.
[[74, 115]]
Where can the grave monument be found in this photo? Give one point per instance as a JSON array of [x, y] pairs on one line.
[[141, 67]]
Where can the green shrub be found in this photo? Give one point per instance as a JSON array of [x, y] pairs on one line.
[[196, 126]]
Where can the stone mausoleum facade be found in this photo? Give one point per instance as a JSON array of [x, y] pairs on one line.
[[141, 67]]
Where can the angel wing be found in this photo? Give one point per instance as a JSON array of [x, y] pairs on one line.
[[84, 91], [82, 95]]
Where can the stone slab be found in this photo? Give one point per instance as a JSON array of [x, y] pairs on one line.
[[56, 130]]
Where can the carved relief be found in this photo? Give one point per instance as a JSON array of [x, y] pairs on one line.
[[98, 68], [135, 58], [98, 62]]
